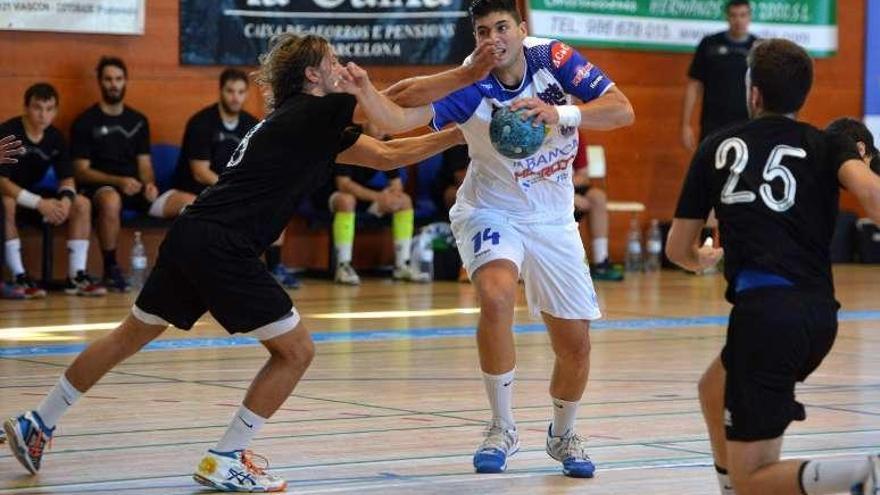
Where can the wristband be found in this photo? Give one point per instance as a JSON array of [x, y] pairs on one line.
[[28, 199], [67, 192], [569, 115]]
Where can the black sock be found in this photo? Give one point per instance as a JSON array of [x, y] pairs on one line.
[[273, 257], [109, 260]]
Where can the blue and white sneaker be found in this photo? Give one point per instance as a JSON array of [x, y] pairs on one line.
[[500, 443], [2, 436], [285, 277], [871, 485], [571, 451], [27, 437], [236, 472]]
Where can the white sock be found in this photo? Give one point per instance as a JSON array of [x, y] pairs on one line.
[[13, 257], [564, 415], [343, 253], [60, 398], [402, 252], [78, 250], [245, 424], [600, 249], [499, 388], [821, 477], [724, 483]]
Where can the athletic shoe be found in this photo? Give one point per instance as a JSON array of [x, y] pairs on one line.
[[28, 436], [115, 281], [607, 271], [285, 277], [2, 436], [571, 451], [9, 291], [500, 443], [83, 285], [235, 472], [29, 287], [346, 275], [405, 273], [871, 485]]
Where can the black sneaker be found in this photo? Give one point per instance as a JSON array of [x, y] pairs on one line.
[[84, 285], [115, 281], [607, 271], [29, 287]]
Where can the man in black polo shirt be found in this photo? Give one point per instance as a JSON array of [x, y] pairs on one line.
[[716, 73], [111, 158], [44, 147], [210, 138]]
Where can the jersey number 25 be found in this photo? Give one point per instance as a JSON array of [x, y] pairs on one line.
[[773, 169]]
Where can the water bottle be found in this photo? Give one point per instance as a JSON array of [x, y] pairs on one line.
[[653, 246], [634, 247], [426, 262], [138, 262]]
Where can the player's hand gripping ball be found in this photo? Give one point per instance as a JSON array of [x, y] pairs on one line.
[[514, 137]]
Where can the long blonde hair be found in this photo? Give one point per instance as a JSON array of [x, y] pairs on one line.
[[282, 68]]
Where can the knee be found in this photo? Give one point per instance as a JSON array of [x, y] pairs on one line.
[[109, 202], [708, 390], [300, 352], [597, 197], [344, 202], [497, 299], [81, 207], [579, 354], [406, 200]]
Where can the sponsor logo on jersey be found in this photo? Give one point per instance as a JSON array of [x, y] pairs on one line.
[[582, 73], [560, 53], [596, 82]]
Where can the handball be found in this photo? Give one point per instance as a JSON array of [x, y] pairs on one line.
[[514, 137]]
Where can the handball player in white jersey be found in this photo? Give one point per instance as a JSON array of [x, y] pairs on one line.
[[514, 217]]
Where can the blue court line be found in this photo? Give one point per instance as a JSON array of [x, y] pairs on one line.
[[408, 334]]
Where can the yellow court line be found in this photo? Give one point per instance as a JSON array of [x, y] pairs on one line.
[[44, 333]]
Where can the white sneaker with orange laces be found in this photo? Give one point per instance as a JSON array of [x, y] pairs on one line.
[[236, 472]]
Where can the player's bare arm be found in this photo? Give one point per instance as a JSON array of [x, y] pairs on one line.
[[385, 115], [684, 249], [387, 155], [857, 178], [609, 111], [423, 90]]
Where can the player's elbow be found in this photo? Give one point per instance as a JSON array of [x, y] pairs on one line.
[[871, 201], [627, 114]]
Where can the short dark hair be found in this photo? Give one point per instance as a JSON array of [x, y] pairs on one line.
[[231, 74], [783, 71], [482, 8], [737, 3], [107, 61], [41, 92], [855, 130]]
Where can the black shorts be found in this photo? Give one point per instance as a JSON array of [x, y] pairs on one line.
[[776, 337], [581, 190], [204, 267], [31, 217], [137, 202]]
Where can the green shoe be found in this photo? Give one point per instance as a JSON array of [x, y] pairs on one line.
[[607, 271]]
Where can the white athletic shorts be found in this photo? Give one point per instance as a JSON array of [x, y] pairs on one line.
[[550, 258]]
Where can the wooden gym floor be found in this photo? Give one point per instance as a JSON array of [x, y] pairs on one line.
[[394, 402]]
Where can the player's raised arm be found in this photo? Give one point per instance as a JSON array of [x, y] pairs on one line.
[[387, 155], [385, 115], [423, 90]]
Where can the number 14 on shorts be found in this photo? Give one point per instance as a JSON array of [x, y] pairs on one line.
[[485, 236]]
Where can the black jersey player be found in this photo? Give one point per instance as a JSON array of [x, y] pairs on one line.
[[774, 184]]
